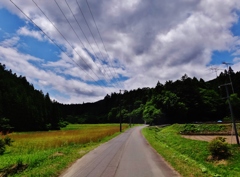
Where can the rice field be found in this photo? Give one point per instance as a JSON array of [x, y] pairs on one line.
[[54, 150]]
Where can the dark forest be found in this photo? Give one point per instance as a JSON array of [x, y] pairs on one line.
[[187, 100]]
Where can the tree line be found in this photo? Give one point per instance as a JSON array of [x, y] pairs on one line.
[[22, 107], [187, 100]]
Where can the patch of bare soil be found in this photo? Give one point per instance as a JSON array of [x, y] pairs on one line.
[[13, 169], [231, 139], [56, 154], [217, 162], [221, 162]]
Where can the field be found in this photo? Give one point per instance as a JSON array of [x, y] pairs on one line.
[[48, 153], [190, 157]]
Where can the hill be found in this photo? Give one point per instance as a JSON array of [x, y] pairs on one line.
[[23, 108]]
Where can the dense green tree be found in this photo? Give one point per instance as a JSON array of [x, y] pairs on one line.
[[235, 102], [172, 106], [4, 125], [112, 115], [136, 114], [151, 113], [184, 100], [210, 105], [23, 106]]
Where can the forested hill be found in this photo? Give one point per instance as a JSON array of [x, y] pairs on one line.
[[23, 108]]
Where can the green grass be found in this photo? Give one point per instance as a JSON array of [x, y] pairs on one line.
[[189, 157], [49, 153], [203, 128]]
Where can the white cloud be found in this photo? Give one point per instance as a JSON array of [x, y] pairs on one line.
[[236, 59], [48, 80], [11, 42], [146, 41], [236, 53], [26, 32]]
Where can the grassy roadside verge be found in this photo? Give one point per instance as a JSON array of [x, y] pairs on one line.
[[189, 157], [49, 153]]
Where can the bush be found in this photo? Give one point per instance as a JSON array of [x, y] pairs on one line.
[[62, 124], [2, 146], [8, 141], [4, 125], [219, 148], [189, 128], [202, 128], [3, 142]]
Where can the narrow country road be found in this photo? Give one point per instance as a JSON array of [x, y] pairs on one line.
[[127, 155]]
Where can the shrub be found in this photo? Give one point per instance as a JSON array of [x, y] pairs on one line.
[[219, 148], [202, 128], [3, 142], [188, 128], [4, 125], [62, 124], [8, 141], [2, 146]]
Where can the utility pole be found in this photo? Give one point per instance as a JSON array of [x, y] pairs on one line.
[[229, 75], [231, 111], [215, 69], [120, 120], [230, 106], [130, 118]]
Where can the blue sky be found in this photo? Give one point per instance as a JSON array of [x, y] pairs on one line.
[[140, 43], [10, 24], [227, 55]]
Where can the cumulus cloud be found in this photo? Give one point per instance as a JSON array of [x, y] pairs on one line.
[[26, 32], [75, 89], [143, 41], [11, 42]]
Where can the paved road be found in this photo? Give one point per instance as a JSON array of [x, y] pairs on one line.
[[128, 155]]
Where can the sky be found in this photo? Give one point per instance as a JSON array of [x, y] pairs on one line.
[[81, 50]]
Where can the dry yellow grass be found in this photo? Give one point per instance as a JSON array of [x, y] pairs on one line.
[[35, 141]]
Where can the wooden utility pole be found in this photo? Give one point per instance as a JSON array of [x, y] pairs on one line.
[[231, 111], [120, 105]]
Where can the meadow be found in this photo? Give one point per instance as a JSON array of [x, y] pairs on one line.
[[48, 153], [190, 157]]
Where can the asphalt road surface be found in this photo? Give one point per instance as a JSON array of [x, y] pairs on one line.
[[127, 155]]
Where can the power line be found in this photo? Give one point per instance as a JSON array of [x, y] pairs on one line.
[[91, 33], [82, 32], [66, 40], [80, 27], [100, 37], [73, 28], [215, 69], [52, 40], [88, 26], [69, 23]]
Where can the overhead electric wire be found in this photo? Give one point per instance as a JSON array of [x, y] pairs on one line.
[[69, 23], [101, 37], [75, 31], [88, 27], [80, 28], [52, 40], [66, 40], [84, 33], [92, 33]]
